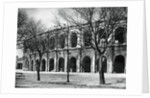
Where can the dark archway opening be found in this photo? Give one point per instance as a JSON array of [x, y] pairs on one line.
[[43, 65], [104, 64], [19, 65], [73, 40], [51, 65], [120, 35], [86, 64], [37, 63], [87, 38], [52, 43], [61, 65], [72, 63], [119, 64], [62, 41], [32, 65]]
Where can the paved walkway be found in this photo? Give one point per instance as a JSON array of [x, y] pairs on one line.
[[27, 79]]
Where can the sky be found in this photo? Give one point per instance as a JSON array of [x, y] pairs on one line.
[[46, 15]]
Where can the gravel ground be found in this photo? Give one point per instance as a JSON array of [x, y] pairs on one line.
[[77, 80]]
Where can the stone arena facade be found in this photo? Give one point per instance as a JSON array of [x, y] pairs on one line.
[[82, 58]]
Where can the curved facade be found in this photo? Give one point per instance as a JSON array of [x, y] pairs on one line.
[[82, 58]]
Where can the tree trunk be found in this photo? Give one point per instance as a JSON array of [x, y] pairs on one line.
[[30, 63], [38, 69], [38, 74], [101, 71]]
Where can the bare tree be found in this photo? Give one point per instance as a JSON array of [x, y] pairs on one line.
[[21, 28], [90, 20], [36, 44]]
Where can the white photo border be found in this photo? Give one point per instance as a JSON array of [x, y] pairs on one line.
[[134, 63]]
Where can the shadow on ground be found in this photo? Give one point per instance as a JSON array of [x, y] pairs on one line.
[[77, 80]]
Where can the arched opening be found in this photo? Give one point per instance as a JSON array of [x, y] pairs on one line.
[[37, 63], [32, 65], [86, 66], [104, 64], [19, 65], [72, 63], [43, 65], [52, 43], [51, 64], [87, 39], [61, 65], [120, 35], [119, 64], [62, 41], [73, 40]]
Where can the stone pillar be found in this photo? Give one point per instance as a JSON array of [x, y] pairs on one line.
[[16, 62], [47, 63], [66, 60], [109, 65], [78, 63], [34, 63], [93, 64], [30, 64], [69, 40], [46, 67], [55, 62], [78, 40], [26, 63]]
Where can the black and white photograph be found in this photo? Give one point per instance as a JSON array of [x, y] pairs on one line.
[[76, 47]]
